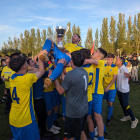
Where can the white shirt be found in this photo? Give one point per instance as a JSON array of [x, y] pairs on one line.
[[122, 81]]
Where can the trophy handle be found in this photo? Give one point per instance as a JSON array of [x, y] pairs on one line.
[[67, 28], [54, 27]]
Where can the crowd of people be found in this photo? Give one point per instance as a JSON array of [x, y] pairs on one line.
[[34, 90]]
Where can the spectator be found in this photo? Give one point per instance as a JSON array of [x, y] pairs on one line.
[[135, 66], [129, 66], [123, 92]]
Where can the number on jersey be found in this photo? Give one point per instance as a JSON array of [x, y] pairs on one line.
[[14, 95], [90, 74], [84, 76]]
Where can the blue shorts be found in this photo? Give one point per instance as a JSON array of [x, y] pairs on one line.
[[50, 100], [29, 132], [63, 107], [58, 97], [97, 103], [90, 108], [110, 95]]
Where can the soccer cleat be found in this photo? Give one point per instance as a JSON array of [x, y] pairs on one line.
[[106, 133], [47, 82], [56, 124], [2, 101], [134, 123], [108, 122], [52, 129], [96, 131], [125, 118], [56, 127]]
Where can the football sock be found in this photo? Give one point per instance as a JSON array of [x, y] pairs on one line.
[[92, 134], [57, 71], [110, 110], [49, 121]]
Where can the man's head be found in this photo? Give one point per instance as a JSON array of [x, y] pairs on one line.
[[120, 61], [86, 53], [76, 38], [31, 62], [77, 58], [7, 62], [19, 63], [110, 59], [129, 63], [16, 54], [135, 57], [0, 56], [100, 54], [3, 62], [7, 56]]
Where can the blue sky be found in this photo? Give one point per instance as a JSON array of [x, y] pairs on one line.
[[17, 15]]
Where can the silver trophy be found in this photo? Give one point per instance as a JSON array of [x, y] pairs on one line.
[[60, 30]]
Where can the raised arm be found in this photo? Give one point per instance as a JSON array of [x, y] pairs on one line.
[[90, 61], [60, 89], [41, 66]]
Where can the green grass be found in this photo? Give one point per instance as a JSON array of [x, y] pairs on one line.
[[117, 131]]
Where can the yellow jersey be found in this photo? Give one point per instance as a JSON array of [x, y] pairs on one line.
[[22, 108], [51, 87], [98, 76], [109, 72], [7, 73], [68, 69], [72, 47], [90, 70]]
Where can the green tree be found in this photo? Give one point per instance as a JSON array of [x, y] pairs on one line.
[[38, 41], [104, 35], [69, 34], [121, 33], [89, 39], [112, 33], [32, 42], [96, 40], [78, 31], [129, 35], [74, 31], [138, 29], [50, 33], [25, 45], [43, 36]]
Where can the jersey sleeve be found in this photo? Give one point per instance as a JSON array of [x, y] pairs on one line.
[[30, 78]]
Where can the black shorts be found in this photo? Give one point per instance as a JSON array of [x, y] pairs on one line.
[[74, 127]]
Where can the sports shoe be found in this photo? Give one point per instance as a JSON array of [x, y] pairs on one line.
[[52, 129], [56, 124], [96, 131], [134, 123], [125, 118], [2, 101], [108, 122], [56, 127]]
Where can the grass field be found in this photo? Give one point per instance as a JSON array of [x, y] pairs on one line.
[[117, 131]]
